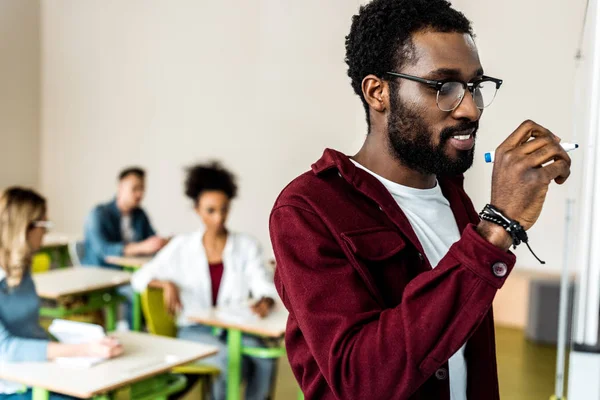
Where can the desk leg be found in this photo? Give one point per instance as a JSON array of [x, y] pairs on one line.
[[39, 394], [137, 312], [111, 316], [63, 257], [234, 364]]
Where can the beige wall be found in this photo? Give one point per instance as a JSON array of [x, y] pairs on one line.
[[19, 92], [532, 48], [261, 85]]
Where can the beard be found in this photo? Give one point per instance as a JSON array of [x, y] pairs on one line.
[[411, 142]]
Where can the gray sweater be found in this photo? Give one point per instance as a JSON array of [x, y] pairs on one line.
[[21, 336]]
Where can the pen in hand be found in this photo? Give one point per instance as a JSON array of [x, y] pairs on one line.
[[489, 157]]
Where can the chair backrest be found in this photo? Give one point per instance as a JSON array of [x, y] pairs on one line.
[[158, 320], [41, 262], [76, 252]]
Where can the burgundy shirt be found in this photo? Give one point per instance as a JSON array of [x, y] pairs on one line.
[[216, 274], [369, 317]]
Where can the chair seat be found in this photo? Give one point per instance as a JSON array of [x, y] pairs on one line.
[[197, 368]]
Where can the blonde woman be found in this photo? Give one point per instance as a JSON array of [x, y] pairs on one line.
[[23, 224]]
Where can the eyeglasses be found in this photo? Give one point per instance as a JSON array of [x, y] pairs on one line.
[[450, 93], [47, 225]]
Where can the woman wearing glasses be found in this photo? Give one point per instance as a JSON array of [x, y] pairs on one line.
[[214, 267], [23, 224]]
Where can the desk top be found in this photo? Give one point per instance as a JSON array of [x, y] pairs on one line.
[[131, 262], [57, 239], [145, 356], [271, 326], [57, 283]]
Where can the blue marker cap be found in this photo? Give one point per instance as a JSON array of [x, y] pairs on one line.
[[488, 157]]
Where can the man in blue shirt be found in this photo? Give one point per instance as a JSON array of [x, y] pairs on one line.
[[121, 227]]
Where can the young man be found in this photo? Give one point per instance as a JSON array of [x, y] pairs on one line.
[[385, 266], [121, 227]]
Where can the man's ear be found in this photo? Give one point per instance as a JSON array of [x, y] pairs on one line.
[[376, 93]]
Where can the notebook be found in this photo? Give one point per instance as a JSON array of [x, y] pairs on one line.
[[72, 332]]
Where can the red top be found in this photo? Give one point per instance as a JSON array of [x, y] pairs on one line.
[[216, 273], [369, 318]]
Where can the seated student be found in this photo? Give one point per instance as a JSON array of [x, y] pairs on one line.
[[22, 226], [214, 267], [121, 227]]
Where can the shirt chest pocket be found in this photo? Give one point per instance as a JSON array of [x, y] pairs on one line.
[[383, 259]]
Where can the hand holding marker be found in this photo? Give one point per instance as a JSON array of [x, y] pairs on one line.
[[489, 157]]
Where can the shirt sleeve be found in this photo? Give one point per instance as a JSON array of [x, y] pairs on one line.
[[159, 267], [17, 349]]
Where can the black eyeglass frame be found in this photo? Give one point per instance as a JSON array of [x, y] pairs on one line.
[[437, 84]]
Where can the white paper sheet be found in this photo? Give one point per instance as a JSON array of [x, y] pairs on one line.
[[72, 332]]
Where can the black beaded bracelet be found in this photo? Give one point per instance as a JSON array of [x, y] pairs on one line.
[[514, 228]]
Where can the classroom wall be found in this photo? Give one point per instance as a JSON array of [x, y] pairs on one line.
[[532, 47], [20, 92], [260, 85]]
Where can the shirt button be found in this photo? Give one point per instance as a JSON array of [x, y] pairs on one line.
[[441, 374], [499, 269], [421, 257]]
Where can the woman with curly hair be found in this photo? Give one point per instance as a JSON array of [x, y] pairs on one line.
[[214, 267]]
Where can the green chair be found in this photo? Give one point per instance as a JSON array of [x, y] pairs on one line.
[[41, 263], [159, 322], [158, 388]]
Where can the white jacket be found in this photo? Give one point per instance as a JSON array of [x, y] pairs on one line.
[[183, 261]]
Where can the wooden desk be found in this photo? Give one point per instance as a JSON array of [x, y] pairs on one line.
[[78, 280], [56, 239], [132, 264], [129, 263], [56, 245], [145, 356], [272, 326], [98, 283]]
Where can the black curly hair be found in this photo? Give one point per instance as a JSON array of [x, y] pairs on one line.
[[380, 36], [209, 177]]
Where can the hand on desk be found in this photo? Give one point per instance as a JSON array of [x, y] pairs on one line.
[[263, 307], [107, 347], [146, 247], [153, 244]]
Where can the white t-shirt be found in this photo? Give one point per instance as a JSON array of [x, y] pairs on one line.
[[126, 229], [431, 217]]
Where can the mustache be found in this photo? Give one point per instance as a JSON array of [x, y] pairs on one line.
[[450, 131]]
